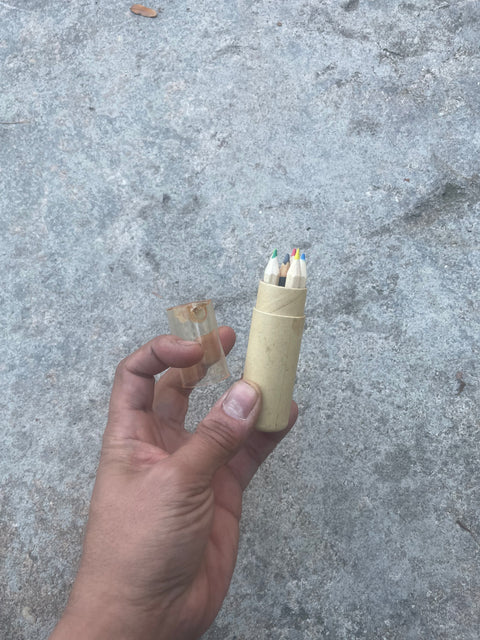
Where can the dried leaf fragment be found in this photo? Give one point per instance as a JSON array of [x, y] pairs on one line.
[[140, 10]]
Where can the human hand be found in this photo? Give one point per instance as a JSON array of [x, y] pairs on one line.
[[162, 534]]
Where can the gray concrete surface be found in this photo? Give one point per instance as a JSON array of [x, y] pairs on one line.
[[148, 162]]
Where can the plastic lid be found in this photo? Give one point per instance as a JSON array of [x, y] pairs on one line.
[[197, 321]]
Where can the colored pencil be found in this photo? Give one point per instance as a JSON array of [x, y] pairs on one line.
[[272, 270], [294, 276], [303, 267], [284, 267]]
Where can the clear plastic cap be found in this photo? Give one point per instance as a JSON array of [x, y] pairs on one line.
[[197, 321]]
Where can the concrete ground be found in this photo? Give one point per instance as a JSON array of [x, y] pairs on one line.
[[148, 162]]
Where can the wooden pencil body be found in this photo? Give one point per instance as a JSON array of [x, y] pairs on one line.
[[273, 350]]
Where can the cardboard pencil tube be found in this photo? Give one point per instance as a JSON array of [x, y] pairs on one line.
[[273, 350]]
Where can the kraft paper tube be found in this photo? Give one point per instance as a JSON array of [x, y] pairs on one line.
[[273, 349]]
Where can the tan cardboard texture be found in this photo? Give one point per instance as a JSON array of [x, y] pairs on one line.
[[273, 350]]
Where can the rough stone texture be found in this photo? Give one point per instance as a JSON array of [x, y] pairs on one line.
[[157, 161]]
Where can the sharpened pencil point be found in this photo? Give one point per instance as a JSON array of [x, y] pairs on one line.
[[291, 273], [271, 273], [296, 275], [303, 268]]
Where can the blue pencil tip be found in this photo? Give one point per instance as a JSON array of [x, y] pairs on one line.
[[302, 257]]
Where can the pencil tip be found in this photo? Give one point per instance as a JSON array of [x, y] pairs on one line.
[[274, 254], [302, 257], [297, 254], [286, 258]]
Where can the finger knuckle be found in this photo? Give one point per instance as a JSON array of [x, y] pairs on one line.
[[217, 432], [121, 369]]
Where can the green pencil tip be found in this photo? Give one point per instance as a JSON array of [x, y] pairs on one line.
[[274, 254]]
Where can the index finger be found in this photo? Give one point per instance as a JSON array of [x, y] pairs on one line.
[[134, 383], [171, 398]]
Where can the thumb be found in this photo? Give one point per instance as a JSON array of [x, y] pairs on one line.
[[220, 435]]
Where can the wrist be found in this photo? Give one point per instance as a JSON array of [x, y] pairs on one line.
[[93, 617]]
